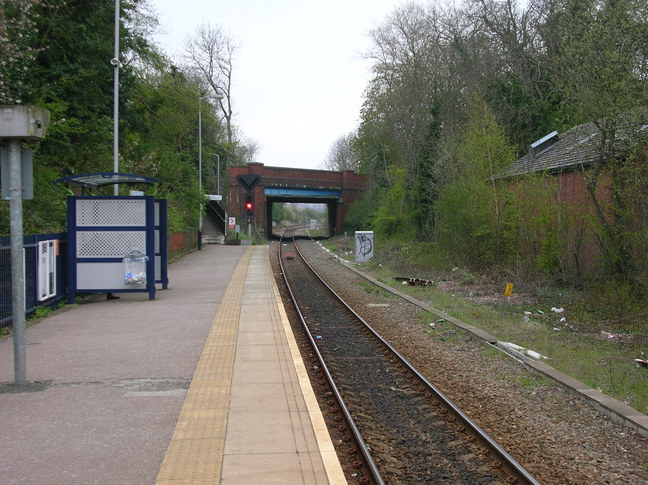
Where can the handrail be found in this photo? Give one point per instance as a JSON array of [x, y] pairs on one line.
[[209, 207]]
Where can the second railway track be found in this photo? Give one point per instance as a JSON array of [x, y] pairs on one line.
[[411, 433]]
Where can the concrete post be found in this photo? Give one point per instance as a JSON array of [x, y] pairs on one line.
[[17, 261]]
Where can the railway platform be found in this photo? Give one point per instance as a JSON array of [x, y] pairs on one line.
[[203, 385]]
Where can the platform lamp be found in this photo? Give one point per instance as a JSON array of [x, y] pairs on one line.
[[116, 65], [200, 220]]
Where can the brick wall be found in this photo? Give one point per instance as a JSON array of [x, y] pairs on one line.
[[179, 242], [561, 202]]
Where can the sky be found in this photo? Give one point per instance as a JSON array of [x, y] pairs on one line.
[[299, 74]]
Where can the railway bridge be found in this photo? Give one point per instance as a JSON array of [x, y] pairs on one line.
[[263, 186]]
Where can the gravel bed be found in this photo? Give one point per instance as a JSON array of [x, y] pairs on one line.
[[554, 435]]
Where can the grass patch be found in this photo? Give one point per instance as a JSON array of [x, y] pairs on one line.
[[40, 312], [377, 290]]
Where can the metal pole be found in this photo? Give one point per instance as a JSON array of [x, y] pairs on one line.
[[17, 261], [200, 172], [218, 174], [116, 63]]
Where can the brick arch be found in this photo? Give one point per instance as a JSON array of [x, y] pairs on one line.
[[277, 184]]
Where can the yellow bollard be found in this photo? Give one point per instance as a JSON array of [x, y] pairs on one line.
[[509, 289]]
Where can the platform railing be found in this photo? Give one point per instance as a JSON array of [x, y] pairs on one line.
[[31, 248]]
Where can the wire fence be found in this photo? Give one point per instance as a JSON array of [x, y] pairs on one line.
[[56, 279]]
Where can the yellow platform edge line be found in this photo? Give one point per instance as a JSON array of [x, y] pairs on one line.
[[192, 457], [334, 471]]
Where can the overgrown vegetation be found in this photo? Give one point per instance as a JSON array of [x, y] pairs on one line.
[[459, 93], [55, 54]]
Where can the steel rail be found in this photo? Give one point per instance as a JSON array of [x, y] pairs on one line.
[[370, 464], [500, 457]]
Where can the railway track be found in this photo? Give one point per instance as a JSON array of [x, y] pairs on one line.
[[405, 429]]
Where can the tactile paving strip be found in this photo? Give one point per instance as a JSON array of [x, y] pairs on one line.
[[195, 453]]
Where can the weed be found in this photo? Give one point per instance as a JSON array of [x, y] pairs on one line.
[[532, 381], [40, 312], [376, 290]]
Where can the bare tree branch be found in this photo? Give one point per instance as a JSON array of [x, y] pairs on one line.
[[210, 55]]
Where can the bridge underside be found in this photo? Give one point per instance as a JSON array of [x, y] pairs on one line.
[[330, 199]]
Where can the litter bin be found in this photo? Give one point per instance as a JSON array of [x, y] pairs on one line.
[[135, 268]]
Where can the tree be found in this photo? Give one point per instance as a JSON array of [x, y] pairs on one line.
[[245, 151], [598, 51], [162, 141], [470, 209], [342, 156], [72, 77], [210, 55], [17, 47], [519, 86], [69, 72]]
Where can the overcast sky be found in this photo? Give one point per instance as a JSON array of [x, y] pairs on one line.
[[299, 74]]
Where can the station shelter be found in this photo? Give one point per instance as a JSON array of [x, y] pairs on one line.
[[116, 244]]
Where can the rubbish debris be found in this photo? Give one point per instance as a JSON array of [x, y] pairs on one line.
[[431, 325], [414, 281], [609, 336], [641, 362], [508, 291], [521, 350], [557, 310]]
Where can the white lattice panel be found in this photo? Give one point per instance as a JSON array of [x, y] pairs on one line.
[[109, 244], [107, 212], [157, 242], [157, 214]]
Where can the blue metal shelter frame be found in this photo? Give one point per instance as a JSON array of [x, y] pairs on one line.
[[103, 230], [161, 244]]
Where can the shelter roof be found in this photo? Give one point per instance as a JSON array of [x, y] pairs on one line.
[[99, 179]]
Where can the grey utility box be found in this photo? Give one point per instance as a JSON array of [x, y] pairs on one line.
[[23, 122], [364, 246]]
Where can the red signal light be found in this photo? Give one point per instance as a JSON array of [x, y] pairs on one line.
[[249, 206]]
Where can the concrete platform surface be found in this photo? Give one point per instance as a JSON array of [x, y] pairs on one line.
[[121, 385]]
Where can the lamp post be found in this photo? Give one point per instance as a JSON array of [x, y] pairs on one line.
[[217, 173], [116, 64], [200, 222]]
